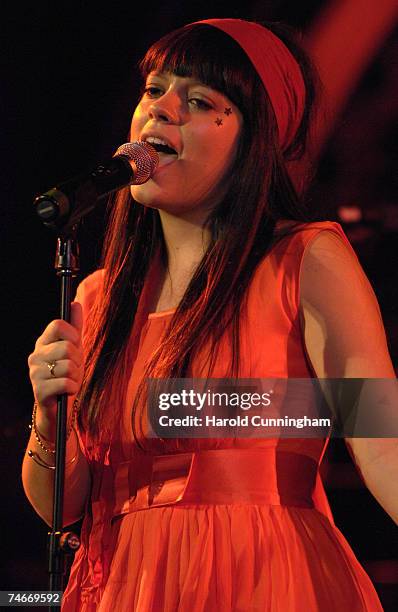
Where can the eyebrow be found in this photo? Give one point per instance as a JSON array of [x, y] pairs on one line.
[[192, 82]]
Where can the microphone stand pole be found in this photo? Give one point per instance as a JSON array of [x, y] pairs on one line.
[[59, 543], [60, 209]]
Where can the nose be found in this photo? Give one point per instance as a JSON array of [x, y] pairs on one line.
[[166, 109]]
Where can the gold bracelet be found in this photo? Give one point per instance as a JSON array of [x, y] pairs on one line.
[[37, 459], [39, 438]]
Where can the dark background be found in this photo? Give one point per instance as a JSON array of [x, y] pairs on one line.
[[69, 87]]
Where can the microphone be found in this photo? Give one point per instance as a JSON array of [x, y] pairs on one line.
[[64, 205]]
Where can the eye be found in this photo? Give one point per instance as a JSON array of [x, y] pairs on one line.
[[151, 91], [199, 103]]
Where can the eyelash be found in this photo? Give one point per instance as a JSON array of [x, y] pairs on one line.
[[152, 92], [201, 104]]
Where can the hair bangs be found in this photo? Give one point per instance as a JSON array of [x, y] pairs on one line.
[[191, 52]]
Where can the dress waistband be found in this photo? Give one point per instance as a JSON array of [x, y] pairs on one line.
[[224, 476]]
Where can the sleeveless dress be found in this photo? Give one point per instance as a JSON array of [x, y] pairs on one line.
[[195, 525]]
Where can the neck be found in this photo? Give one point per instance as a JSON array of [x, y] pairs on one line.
[[186, 242]]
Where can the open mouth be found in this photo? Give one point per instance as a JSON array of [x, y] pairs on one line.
[[161, 148], [161, 145]]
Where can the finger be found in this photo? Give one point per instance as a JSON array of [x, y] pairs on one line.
[[49, 353], [43, 372], [59, 330], [64, 368], [46, 393]]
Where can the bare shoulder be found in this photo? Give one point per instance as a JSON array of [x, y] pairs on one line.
[[341, 321]]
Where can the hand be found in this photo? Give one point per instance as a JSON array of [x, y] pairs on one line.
[[59, 344]]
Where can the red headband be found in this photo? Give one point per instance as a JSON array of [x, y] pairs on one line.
[[277, 68]]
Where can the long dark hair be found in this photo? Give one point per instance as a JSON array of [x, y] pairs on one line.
[[241, 226]]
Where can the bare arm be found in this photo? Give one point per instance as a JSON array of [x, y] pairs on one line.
[[344, 337], [59, 343]]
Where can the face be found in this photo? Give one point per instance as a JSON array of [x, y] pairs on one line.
[[196, 132]]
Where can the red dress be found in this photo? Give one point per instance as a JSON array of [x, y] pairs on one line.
[[227, 525]]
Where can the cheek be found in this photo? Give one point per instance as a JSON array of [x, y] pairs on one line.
[[225, 141], [137, 123], [234, 138]]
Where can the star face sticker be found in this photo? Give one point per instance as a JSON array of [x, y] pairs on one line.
[[218, 121], [227, 111]]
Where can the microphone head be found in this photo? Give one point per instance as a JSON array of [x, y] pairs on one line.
[[144, 157]]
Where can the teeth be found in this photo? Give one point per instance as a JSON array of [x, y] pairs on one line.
[[155, 140]]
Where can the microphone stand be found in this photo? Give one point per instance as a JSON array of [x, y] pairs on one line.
[[53, 208], [60, 209], [59, 543]]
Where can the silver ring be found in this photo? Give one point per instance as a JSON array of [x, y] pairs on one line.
[[51, 367]]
